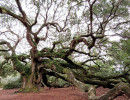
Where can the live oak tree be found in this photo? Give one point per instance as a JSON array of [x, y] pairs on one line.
[[63, 38]]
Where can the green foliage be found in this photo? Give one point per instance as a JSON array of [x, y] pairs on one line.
[[59, 54], [121, 51], [1, 85], [59, 82], [21, 67], [103, 69], [13, 85], [5, 66], [26, 90], [6, 70], [60, 64], [104, 8], [59, 68]]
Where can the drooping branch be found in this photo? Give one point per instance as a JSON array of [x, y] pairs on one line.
[[3, 50], [78, 66], [82, 86], [2, 42], [82, 52], [18, 65], [16, 60], [5, 11], [107, 77], [91, 59], [21, 19], [56, 74], [111, 94], [121, 88]]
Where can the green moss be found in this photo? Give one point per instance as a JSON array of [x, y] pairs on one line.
[[21, 67], [57, 54], [26, 90], [38, 53], [66, 70], [49, 63], [60, 64], [77, 38], [56, 42], [3, 10]]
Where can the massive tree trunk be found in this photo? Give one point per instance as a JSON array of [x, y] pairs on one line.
[[31, 76], [31, 83], [33, 65]]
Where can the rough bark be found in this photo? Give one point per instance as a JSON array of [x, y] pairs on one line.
[[34, 86], [121, 88]]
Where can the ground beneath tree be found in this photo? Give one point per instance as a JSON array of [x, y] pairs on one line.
[[52, 94]]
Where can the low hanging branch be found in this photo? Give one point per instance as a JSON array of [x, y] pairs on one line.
[[2, 42], [121, 88], [3, 50], [6, 11]]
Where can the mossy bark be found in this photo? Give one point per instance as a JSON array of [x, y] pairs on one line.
[[34, 86], [120, 88], [31, 77]]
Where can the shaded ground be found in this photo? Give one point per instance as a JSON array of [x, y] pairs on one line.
[[52, 94]]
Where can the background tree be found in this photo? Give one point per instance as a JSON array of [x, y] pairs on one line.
[[120, 54]]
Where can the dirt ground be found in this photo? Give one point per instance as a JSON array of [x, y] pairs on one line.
[[52, 94]]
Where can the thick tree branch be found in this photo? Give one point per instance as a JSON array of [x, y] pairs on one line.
[[8, 12], [5, 11], [20, 9], [2, 42]]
